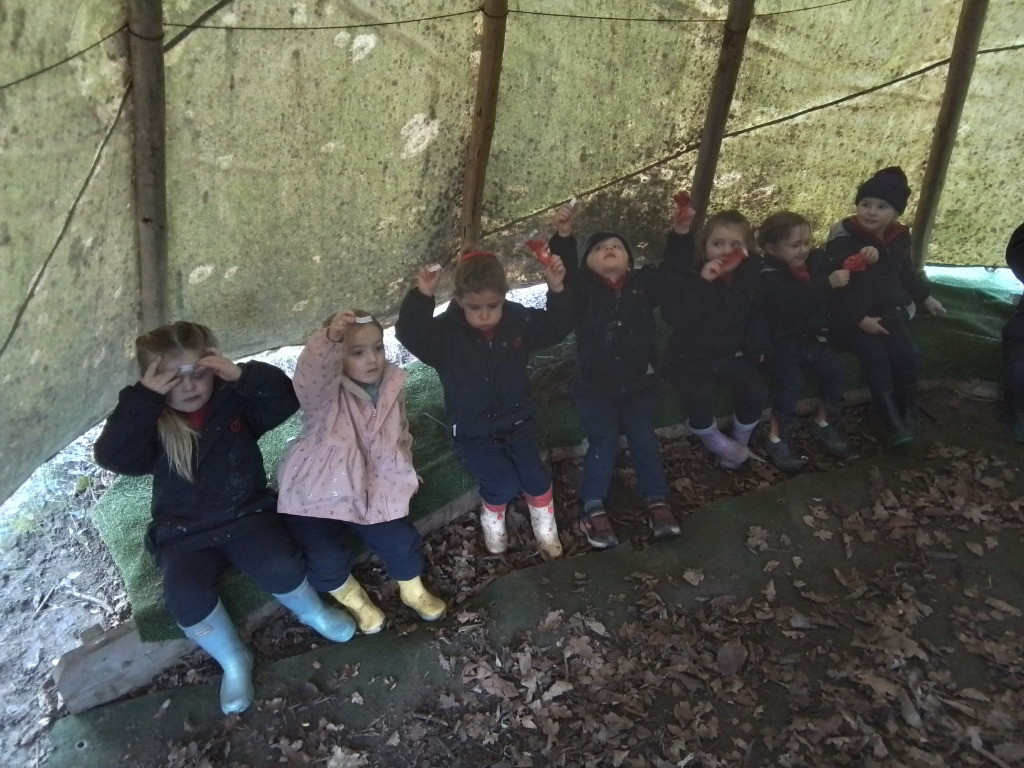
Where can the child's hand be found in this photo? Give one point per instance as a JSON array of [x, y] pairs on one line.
[[161, 383], [873, 325], [711, 270], [933, 306], [339, 325], [840, 278], [554, 274], [683, 214], [563, 220], [220, 365], [870, 253], [427, 279]]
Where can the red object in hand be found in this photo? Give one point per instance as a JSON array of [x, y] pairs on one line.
[[540, 250], [857, 262], [727, 263], [682, 200]]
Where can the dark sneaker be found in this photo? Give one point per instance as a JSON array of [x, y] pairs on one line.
[[780, 455], [597, 527], [661, 520], [829, 437]]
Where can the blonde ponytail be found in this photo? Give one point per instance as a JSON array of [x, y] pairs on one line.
[[178, 438]]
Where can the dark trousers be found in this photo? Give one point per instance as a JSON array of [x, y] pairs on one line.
[[790, 357], [698, 384], [505, 465], [330, 554], [889, 362], [1013, 348], [606, 417], [190, 578]]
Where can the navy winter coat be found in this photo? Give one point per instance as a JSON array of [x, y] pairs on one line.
[[230, 489], [486, 384], [794, 308]]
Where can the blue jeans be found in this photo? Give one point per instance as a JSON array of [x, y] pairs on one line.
[[790, 357], [505, 465], [330, 554], [604, 418]]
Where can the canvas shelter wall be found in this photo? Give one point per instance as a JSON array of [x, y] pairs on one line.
[[311, 167]]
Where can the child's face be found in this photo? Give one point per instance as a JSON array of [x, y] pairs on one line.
[[609, 259], [875, 215], [482, 308], [723, 240], [793, 249], [364, 359], [192, 389]]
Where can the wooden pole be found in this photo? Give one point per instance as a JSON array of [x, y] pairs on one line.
[[958, 81], [722, 88], [492, 49], [145, 35]]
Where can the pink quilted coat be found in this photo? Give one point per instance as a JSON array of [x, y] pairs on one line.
[[353, 461]]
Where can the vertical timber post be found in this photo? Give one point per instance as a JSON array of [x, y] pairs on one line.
[[145, 35], [492, 49], [958, 81], [722, 88]]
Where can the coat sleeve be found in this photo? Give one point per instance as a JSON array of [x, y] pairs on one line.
[[911, 278], [268, 394], [566, 249], [318, 372], [130, 442], [549, 326], [416, 330]]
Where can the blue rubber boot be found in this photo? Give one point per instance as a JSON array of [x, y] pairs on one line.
[[216, 634], [305, 603]]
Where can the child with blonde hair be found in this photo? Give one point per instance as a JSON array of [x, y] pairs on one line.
[[480, 346], [350, 473], [192, 422]]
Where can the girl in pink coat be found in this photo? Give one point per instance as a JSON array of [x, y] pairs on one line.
[[350, 473]]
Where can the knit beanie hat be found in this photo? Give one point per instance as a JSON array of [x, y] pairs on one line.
[[597, 237], [889, 184]]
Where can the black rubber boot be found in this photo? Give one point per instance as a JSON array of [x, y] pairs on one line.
[[906, 398], [890, 413]]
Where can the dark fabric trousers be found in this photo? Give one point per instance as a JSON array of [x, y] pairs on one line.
[[698, 384], [1013, 348], [889, 362], [505, 465], [330, 553], [268, 555], [606, 417], [791, 356]]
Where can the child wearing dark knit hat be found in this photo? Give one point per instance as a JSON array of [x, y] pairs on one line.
[[869, 314], [616, 390]]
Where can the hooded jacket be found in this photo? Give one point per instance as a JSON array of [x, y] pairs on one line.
[[710, 320], [616, 333], [885, 286], [229, 497], [486, 383], [353, 460]]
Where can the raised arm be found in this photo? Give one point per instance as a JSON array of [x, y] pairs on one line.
[[415, 326]]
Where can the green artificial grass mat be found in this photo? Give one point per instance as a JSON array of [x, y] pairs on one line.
[[965, 343]]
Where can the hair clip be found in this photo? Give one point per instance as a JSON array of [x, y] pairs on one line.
[[474, 254], [364, 319], [434, 268], [572, 203], [183, 369]]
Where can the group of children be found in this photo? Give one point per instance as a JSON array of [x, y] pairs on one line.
[[194, 417]]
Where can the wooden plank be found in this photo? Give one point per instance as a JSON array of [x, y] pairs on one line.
[[958, 82], [723, 86], [492, 49], [145, 53]]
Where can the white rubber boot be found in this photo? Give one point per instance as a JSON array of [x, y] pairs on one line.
[[216, 634], [493, 526], [545, 530], [731, 454]]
